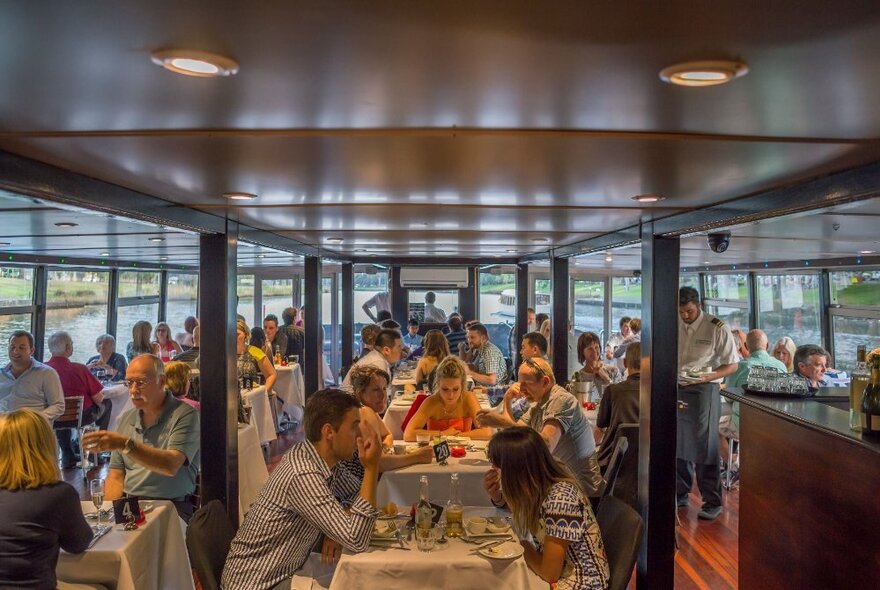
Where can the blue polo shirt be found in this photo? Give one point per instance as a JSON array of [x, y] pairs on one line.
[[176, 429], [38, 388]]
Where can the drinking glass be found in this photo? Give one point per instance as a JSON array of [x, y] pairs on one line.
[[96, 489], [425, 538], [86, 464]]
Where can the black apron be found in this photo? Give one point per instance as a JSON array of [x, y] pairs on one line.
[[698, 423]]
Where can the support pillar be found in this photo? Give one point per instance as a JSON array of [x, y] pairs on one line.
[[347, 314], [559, 318], [313, 366]]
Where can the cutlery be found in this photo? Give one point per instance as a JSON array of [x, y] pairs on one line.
[[490, 544], [399, 538], [410, 526], [100, 533]]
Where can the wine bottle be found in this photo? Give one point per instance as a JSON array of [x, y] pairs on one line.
[[870, 410], [858, 381], [424, 512], [454, 509]]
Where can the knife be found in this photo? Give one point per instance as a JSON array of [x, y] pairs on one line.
[[103, 531], [491, 544]]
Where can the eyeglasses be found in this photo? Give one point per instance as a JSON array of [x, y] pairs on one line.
[[139, 382], [537, 368]]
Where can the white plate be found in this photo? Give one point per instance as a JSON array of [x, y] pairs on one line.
[[509, 550], [400, 403], [486, 536]]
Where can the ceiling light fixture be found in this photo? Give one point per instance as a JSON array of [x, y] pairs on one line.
[[540, 240], [648, 198], [261, 255], [511, 251], [157, 239], [335, 240], [608, 257], [239, 196], [200, 64], [163, 258], [104, 254], [866, 251], [66, 224], [2, 244], [704, 73]]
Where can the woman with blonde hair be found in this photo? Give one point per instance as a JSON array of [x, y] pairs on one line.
[[140, 340], [783, 351], [39, 513], [553, 518], [451, 409], [177, 381], [165, 346], [251, 360], [436, 349]]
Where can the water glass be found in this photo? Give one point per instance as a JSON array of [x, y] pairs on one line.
[[425, 538], [86, 464], [96, 489]]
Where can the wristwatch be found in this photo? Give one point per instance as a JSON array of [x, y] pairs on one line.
[[129, 446]]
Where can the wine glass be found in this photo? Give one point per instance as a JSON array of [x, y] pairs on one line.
[[96, 489], [86, 464]]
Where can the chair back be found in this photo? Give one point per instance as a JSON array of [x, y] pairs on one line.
[[622, 529], [208, 537], [73, 413], [417, 402], [620, 446], [626, 486]]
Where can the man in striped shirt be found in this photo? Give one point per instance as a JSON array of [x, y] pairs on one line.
[[298, 504]]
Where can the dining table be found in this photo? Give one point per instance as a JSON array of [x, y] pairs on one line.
[[153, 557], [402, 402], [118, 395], [290, 390], [252, 470], [401, 486], [261, 413], [454, 564]]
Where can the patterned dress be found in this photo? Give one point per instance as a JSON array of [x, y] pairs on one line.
[[566, 515]]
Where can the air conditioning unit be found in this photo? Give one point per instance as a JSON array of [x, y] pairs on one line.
[[434, 277]]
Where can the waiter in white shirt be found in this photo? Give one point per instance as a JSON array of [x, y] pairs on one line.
[[706, 346]]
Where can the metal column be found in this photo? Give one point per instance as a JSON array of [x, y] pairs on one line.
[[559, 318], [38, 322], [347, 314], [163, 297], [219, 386], [467, 297], [113, 302], [313, 367], [657, 408], [399, 298], [521, 323]]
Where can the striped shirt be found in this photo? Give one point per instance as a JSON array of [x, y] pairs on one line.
[[295, 507]]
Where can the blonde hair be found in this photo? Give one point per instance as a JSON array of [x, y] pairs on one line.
[[451, 367], [241, 326], [162, 326], [140, 338], [176, 377], [30, 454]]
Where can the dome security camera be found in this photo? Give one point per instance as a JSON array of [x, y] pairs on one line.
[[719, 241]]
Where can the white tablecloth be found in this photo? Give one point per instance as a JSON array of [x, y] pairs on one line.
[[401, 486], [261, 413], [451, 565], [118, 396], [151, 558], [252, 471], [398, 409], [289, 386]]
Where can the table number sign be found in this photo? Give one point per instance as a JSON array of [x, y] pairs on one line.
[[126, 510], [441, 452]]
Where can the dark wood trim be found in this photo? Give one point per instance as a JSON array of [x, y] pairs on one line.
[[559, 322], [313, 367], [347, 318], [38, 321], [657, 409], [521, 322], [219, 385]]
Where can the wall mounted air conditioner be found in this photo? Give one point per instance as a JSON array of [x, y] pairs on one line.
[[434, 277]]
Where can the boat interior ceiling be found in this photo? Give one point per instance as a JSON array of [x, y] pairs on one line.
[[455, 131]]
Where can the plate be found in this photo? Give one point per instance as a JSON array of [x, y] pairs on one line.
[[509, 550], [147, 506], [486, 536], [400, 403]]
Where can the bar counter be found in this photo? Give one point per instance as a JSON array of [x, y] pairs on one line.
[[809, 514]]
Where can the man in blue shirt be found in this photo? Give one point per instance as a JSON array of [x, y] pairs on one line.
[[27, 383], [412, 339]]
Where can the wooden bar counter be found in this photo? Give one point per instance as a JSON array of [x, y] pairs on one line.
[[809, 513]]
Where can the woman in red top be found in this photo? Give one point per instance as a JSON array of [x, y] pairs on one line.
[[451, 409], [166, 347]]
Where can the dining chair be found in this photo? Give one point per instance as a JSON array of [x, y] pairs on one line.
[[71, 419], [613, 469], [208, 537], [621, 528]]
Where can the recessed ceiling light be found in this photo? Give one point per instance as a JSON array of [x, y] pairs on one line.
[[195, 63], [335, 240], [5, 244], [157, 239], [104, 254], [866, 251], [66, 224], [163, 258], [240, 196], [609, 258], [511, 251], [540, 240], [261, 255], [648, 198], [704, 73]]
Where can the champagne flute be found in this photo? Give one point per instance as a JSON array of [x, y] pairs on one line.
[[86, 464], [96, 489]]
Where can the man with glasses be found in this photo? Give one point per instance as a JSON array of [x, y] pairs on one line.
[[557, 416], [156, 448]]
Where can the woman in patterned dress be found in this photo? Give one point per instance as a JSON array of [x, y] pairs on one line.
[[553, 517]]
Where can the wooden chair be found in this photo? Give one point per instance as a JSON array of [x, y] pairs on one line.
[[71, 419]]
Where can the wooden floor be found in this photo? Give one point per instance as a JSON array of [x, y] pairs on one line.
[[708, 558]]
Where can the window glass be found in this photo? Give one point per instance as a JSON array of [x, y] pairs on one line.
[[245, 291], [8, 325], [855, 287], [788, 305], [127, 317], [689, 281], [138, 284], [736, 318], [366, 285], [183, 300], [16, 286], [76, 302], [589, 306], [447, 301], [732, 287], [277, 296], [497, 293], [626, 299], [849, 332]]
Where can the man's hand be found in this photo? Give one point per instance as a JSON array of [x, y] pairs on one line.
[[424, 454], [492, 483], [103, 440], [369, 445], [513, 391], [330, 551], [490, 418]]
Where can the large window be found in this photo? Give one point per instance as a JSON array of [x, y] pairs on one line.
[[128, 316], [367, 284], [16, 300], [76, 302], [589, 306], [497, 296], [277, 296], [447, 301], [138, 284], [183, 300], [245, 292], [689, 281], [138, 300], [728, 287], [856, 319], [788, 305], [626, 299]]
